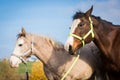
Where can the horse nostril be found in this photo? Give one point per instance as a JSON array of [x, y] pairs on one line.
[[70, 50], [70, 47]]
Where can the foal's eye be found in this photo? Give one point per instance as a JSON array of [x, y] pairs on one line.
[[20, 45], [81, 24]]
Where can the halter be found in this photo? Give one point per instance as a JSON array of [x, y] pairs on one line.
[[82, 39], [25, 53]]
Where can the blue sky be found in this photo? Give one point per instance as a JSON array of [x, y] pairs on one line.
[[47, 17]]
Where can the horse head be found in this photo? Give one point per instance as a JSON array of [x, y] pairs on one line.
[[81, 31], [23, 49]]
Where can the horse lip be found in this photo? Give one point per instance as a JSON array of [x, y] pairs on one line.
[[13, 66]]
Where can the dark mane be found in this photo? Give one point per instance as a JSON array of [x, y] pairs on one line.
[[80, 14]]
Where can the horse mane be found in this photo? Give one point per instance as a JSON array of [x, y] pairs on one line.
[[53, 42], [80, 14]]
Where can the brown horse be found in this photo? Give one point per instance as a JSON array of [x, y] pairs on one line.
[[104, 34], [55, 58]]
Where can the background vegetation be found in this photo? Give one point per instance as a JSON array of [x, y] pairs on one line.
[[35, 70], [8, 73]]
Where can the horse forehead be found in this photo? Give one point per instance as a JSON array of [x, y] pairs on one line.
[[20, 41], [74, 25]]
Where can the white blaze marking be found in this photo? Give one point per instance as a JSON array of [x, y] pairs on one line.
[[69, 42], [70, 39], [74, 25]]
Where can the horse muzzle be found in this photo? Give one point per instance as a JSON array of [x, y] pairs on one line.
[[14, 62], [70, 49]]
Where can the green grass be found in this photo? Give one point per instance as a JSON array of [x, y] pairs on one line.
[[22, 67]]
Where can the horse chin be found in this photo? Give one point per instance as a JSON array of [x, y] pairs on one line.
[[14, 66]]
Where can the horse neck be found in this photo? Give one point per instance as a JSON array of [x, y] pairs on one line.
[[42, 49], [102, 32], [52, 57]]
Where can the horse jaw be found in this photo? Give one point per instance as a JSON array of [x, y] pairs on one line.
[[14, 61]]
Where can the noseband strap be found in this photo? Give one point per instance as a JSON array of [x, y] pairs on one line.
[[82, 39]]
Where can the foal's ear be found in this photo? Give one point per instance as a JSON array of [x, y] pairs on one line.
[[88, 13]]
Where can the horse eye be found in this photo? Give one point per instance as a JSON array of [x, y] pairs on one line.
[[20, 45], [81, 24]]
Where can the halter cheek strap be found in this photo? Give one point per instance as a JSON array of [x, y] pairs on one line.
[[82, 39]]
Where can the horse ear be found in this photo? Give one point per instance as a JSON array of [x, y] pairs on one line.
[[23, 32], [88, 13]]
